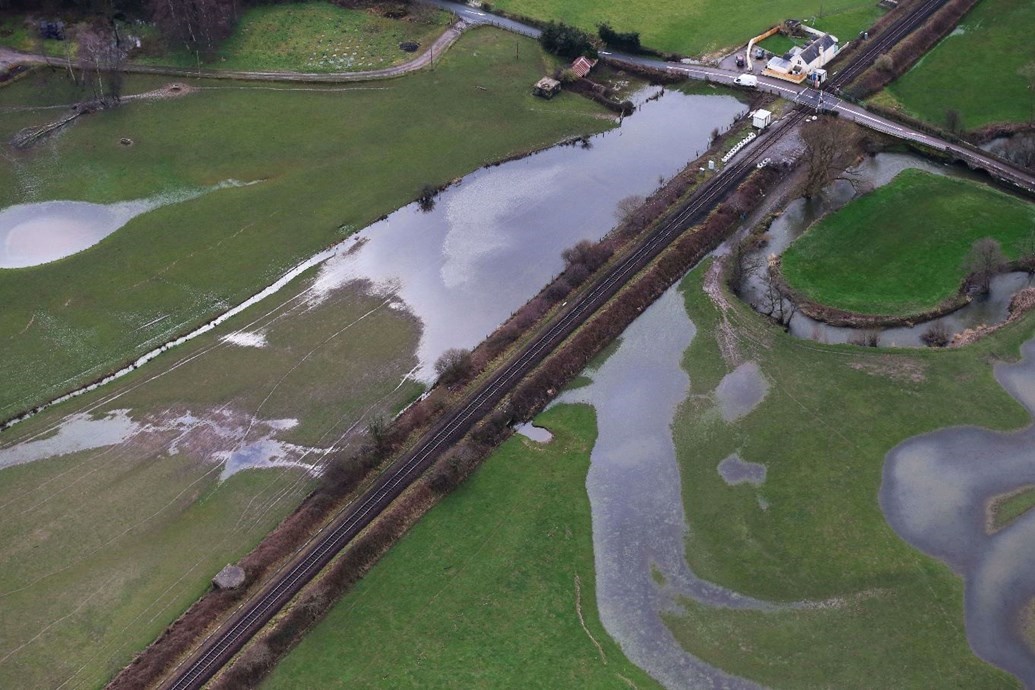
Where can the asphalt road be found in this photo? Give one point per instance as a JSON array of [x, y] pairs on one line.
[[229, 637]]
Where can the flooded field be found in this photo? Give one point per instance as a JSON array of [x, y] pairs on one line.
[[937, 493], [491, 242], [280, 381], [639, 525]]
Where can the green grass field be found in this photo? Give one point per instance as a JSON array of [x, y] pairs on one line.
[[901, 249], [485, 591], [316, 37], [328, 159], [700, 26], [1012, 506], [976, 70], [813, 530]]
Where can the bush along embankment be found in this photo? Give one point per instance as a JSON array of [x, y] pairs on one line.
[[529, 398], [347, 472], [906, 53]]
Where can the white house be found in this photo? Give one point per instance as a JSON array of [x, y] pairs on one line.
[[801, 61]]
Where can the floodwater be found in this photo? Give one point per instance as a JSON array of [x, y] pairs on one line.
[[236, 442], [740, 391], [735, 470], [534, 433], [801, 213], [34, 234], [493, 241], [639, 524], [935, 492]]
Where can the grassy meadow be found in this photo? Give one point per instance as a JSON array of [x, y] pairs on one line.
[[884, 615], [486, 591], [979, 70], [902, 248], [316, 37], [327, 161], [701, 26]]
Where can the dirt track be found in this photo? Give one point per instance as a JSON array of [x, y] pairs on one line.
[[10, 57]]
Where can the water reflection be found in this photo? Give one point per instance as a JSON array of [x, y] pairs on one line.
[[935, 493], [493, 241], [34, 234]]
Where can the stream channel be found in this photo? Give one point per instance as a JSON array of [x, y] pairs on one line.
[[800, 214]]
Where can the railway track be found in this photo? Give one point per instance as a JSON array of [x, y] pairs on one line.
[[229, 638]]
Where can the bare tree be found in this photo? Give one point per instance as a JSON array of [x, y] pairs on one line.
[[101, 58], [985, 259], [743, 263], [831, 145], [772, 303], [453, 366], [954, 121], [1019, 149], [199, 25], [627, 207]]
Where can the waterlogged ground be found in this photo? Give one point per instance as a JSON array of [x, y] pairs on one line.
[[937, 493], [121, 505], [492, 241], [34, 234], [781, 504], [124, 501]]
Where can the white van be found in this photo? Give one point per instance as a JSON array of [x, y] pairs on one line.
[[746, 80]]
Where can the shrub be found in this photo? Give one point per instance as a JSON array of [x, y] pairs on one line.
[[453, 366]]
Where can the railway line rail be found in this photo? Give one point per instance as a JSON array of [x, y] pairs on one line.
[[223, 643]]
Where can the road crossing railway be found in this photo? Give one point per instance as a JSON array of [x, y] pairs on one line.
[[222, 644]]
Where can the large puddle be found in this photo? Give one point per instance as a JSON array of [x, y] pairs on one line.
[[801, 213], [936, 491], [34, 234]]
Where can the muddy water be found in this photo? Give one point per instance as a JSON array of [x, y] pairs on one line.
[[935, 492], [34, 234], [493, 241], [639, 524], [801, 213]]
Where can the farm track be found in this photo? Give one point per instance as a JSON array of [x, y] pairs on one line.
[[221, 646]]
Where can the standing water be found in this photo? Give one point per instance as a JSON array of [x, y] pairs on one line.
[[937, 493], [639, 524], [491, 242]]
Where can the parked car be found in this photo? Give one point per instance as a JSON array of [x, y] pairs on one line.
[[760, 53]]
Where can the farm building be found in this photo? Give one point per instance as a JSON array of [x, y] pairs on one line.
[[797, 64], [546, 88], [582, 66]]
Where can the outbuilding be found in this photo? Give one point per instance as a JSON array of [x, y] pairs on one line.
[[546, 87], [761, 118]]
